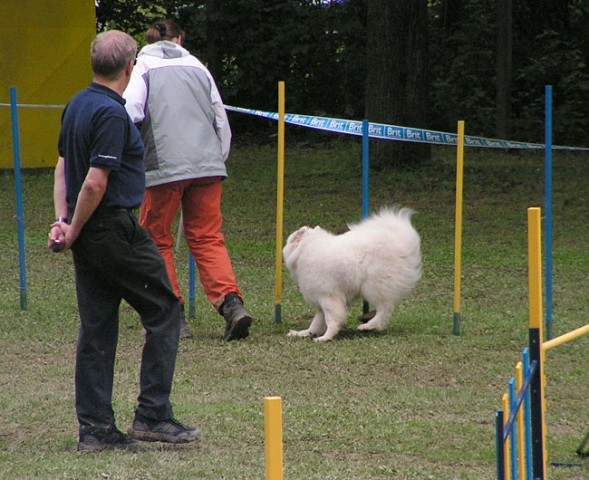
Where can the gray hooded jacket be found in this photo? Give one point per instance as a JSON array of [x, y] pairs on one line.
[[183, 120]]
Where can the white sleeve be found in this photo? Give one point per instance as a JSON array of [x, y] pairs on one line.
[[223, 129], [136, 95], [221, 121]]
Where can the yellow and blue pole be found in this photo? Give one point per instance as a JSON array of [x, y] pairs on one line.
[[279, 204], [458, 226], [536, 349]]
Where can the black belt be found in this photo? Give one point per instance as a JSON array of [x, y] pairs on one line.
[[116, 209], [113, 210], [103, 211]]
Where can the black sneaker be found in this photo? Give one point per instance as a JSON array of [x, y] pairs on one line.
[[94, 440], [237, 320], [168, 431]]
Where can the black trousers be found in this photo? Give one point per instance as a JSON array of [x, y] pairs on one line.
[[115, 259]]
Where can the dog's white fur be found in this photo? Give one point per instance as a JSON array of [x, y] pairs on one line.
[[378, 259]]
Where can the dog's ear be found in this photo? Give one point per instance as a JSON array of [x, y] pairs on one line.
[[292, 244], [295, 238]]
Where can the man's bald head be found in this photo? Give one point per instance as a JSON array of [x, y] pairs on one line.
[[111, 52]]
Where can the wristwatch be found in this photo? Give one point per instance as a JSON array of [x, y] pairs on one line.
[[61, 219]]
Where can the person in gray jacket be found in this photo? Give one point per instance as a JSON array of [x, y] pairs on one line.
[[173, 99]]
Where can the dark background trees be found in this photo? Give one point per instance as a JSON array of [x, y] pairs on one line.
[[548, 48], [503, 58], [415, 63], [396, 80]]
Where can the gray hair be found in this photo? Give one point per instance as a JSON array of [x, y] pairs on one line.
[[110, 52]]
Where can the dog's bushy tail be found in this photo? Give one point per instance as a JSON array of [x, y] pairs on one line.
[[389, 215], [404, 213]]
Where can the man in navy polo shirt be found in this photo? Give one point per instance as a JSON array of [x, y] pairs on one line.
[[99, 181]]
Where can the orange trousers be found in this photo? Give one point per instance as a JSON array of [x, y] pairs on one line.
[[202, 221]]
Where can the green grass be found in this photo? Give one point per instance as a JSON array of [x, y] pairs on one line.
[[415, 402]]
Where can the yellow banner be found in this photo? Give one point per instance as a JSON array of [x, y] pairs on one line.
[[45, 55]]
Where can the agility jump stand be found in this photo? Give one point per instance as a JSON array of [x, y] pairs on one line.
[[513, 423], [520, 427]]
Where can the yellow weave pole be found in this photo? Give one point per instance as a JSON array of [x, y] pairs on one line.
[[279, 204], [273, 434], [540, 454], [535, 267], [458, 226], [506, 445]]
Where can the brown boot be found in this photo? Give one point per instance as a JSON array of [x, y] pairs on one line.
[[237, 320]]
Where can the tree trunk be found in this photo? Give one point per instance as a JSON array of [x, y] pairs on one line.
[[214, 28], [503, 67], [396, 90]]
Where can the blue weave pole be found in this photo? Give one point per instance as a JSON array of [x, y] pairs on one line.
[[548, 208], [191, 286], [365, 167], [365, 187], [512, 432], [19, 202]]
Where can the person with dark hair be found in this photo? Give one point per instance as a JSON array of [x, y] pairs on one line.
[[99, 182], [174, 99], [163, 30]]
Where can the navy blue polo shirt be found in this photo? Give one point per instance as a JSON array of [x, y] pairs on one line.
[[96, 131]]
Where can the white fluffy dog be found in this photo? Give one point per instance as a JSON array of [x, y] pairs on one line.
[[378, 259]]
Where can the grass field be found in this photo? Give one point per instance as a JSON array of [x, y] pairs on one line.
[[414, 402]]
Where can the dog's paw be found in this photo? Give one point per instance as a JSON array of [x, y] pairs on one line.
[[372, 327], [299, 333], [324, 338], [367, 326]]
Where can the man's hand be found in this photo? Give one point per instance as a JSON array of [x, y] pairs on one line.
[[57, 241]]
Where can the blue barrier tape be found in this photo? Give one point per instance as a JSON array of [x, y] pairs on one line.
[[392, 132], [32, 105], [375, 130]]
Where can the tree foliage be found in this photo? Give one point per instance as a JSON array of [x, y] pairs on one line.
[[549, 48], [318, 48], [131, 16]]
